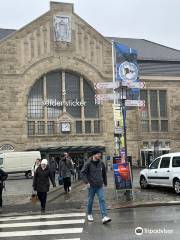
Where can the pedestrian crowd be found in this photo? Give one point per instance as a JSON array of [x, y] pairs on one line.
[[92, 172]]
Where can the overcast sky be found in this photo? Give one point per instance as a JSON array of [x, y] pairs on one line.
[[154, 20]]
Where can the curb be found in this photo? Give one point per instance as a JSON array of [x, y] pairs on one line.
[[148, 204], [59, 191]]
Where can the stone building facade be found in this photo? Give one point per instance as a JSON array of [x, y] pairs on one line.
[[31, 54]]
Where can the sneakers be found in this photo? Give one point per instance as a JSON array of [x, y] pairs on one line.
[[90, 218], [106, 220]]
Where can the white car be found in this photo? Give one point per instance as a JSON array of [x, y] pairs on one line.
[[163, 171]]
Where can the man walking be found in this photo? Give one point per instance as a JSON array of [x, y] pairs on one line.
[[53, 167], [94, 176], [65, 170]]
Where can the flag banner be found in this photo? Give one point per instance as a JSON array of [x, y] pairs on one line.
[[124, 52], [127, 70]]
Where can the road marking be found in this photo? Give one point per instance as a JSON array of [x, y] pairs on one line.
[[68, 239], [48, 223], [42, 216], [41, 232]]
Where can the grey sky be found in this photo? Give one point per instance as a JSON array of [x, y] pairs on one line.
[[154, 20]]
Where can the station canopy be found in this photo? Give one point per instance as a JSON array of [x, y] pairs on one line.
[[72, 149]]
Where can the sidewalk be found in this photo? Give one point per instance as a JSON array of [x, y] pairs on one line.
[[77, 199], [140, 197]]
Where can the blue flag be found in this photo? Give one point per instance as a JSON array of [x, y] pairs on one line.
[[125, 51]]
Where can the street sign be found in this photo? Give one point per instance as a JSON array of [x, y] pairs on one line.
[[106, 96], [130, 84], [134, 103], [127, 71], [131, 103], [128, 103], [106, 85], [118, 130], [113, 85]]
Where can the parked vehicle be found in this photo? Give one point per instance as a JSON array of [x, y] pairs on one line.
[[163, 171], [19, 162]]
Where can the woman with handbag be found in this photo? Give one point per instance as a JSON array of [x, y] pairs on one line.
[[41, 182], [65, 170]]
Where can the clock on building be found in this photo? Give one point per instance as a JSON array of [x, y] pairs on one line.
[[65, 127]]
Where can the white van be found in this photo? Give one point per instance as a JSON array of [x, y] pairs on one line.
[[19, 162], [163, 171]]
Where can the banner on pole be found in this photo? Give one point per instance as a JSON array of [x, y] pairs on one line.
[[122, 176]]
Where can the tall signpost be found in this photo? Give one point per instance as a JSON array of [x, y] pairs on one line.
[[127, 74], [125, 78]]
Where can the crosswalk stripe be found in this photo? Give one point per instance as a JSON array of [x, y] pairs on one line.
[[40, 232], [42, 216], [68, 239], [47, 223]]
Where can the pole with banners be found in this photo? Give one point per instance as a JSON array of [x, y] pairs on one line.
[[125, 78], [127, 75]]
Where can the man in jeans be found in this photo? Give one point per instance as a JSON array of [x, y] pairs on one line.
[[94, 176]]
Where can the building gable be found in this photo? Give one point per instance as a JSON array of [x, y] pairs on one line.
[[35, 42]]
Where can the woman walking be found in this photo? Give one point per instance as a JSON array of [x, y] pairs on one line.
[[41, 182]]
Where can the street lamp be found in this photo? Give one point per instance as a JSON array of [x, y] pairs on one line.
[[122, 90], [123, 97]]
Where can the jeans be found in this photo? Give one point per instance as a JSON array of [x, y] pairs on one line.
[[100, 193], [42, 198]]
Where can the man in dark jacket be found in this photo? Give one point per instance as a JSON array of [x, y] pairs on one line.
[[53, 167], [66, 168], [41, 182], [3, 177], [94, 176]]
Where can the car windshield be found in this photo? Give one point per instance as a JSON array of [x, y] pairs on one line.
[[155, 164], [1, 161]]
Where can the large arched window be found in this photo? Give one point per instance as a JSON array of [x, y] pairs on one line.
[[56, 94]]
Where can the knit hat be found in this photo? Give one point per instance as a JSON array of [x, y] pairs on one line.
[[44, 161], [95, 152]]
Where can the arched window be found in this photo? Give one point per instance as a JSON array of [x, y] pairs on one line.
[[62, 92]]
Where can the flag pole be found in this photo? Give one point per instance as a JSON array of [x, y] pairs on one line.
[[113, 62], [114, 80]]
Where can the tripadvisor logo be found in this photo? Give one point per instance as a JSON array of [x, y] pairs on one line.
[[139, 231], [69, 103]]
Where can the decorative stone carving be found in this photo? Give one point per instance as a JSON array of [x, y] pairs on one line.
[[62, 28]]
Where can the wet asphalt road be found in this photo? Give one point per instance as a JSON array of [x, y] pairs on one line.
[[125, 221], [155, 222]]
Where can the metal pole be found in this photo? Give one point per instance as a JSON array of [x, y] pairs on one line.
[[124, 127]]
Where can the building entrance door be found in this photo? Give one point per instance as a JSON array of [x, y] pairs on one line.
[[147, 156]]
